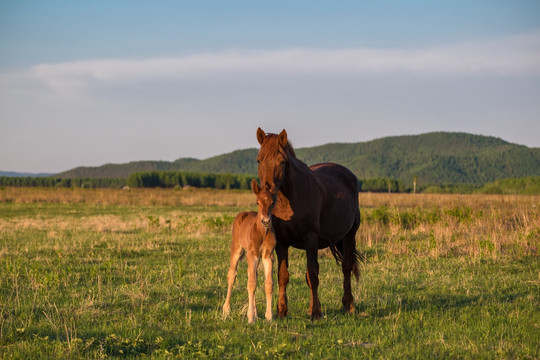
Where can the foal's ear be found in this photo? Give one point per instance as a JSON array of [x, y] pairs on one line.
[[255, 187], [261, 135], [282, 138]]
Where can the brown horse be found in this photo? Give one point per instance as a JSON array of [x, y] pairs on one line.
[[252, 233], [316, 207]]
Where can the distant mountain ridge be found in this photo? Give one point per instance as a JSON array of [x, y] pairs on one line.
[[433, 158]]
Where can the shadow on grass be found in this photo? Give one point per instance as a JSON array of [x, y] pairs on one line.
[[434, 302]]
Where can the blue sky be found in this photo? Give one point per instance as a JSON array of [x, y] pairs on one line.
[[95, 82]]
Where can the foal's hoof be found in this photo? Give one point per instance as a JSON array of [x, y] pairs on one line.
[[225, 312]]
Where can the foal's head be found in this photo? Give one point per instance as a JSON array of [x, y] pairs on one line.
[[265, 204], [272, 159]]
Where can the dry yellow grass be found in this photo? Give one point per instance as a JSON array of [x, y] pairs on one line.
[[191, 212], [446, 200], [147, 197], [417, 224], [443, 225]]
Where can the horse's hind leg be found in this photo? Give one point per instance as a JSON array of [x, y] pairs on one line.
[[236, 254], [349, 265]]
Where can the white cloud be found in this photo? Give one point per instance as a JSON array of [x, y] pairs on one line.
[[512, 56]]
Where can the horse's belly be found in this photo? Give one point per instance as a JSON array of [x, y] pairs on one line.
[[329, 230], [338, 220], [288, 233]]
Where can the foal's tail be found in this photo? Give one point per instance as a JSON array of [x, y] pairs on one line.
[[337, 251]]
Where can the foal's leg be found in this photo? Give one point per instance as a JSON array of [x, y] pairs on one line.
[[283, 278], [253, 262], [236, 254], [313, 275], [268, 261]]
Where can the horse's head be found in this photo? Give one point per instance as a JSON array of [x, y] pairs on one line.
[[272, 159], [265, 204]]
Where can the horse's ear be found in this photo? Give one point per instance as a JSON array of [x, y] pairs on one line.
[[282, 138], [255, 187], [261, 135]]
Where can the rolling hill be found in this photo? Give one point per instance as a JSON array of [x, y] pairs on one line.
[[434, 158]]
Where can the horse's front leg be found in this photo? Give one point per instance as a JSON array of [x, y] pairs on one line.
[[312, 275], [253, 262], [283, 278]]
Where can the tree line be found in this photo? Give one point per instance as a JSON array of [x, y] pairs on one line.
[[168, 179], [55, 182], [171, 179], [180, 179], [174, 179]]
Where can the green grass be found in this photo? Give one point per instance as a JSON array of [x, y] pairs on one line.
[[98, 281]]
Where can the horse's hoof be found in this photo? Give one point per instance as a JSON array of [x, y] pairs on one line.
[[316, 315], [349, 309], [348, 304], [282, 311]]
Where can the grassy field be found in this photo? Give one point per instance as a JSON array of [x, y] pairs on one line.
[[112, 273]]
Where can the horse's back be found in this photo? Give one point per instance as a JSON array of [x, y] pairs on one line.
[[336, 179], [340, 213]]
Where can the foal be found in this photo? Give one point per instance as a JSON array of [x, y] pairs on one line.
[[253, 234]]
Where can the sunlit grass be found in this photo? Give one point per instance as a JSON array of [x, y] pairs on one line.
[[97, 274]]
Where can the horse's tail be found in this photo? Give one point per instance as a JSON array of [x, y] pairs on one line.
[[337, 251]]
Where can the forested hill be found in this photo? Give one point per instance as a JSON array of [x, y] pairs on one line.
[[433, 158]]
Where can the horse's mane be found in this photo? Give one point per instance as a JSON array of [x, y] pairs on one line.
[[288, 149]]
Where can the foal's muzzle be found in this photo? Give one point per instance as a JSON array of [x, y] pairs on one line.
[[266, 223]]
